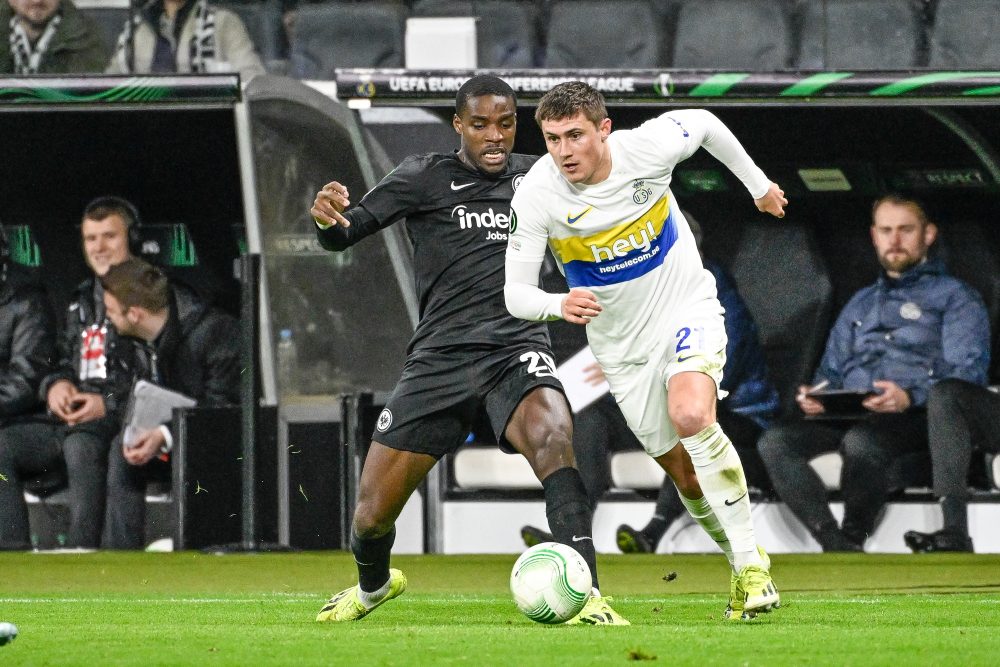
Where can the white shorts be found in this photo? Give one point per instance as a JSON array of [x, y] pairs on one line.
[[697, 343]]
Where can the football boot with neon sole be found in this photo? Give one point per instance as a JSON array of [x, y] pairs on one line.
[[597, 611], [347, 605], [737, 609]]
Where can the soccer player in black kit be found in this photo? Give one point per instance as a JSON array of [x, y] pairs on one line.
[[468, 356]]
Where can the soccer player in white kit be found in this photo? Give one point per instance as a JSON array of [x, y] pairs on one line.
[[602, 202]]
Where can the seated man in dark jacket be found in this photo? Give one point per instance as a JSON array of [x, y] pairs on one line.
[[962, 418], [27, 346], [181, 344], [84, 390], [914, 327]]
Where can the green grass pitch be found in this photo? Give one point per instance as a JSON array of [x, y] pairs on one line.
[[198, 609]]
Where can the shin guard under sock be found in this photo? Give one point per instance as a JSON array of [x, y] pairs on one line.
[[372, 557], [569, 514], [720, 474]]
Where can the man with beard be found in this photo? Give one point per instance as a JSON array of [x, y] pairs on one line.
[[48, 37], [914, 327]]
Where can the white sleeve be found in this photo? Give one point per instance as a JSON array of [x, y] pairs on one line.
[[526, 244], [524, 298], [696, 128]]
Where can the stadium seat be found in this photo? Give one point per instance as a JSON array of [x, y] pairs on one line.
[[595, 34], [635, 470], [745, 34], [263, 21], [967, 252], [489, 468], [505, 31], [861, 34], [964, 34], [786, 286], [345, 34]]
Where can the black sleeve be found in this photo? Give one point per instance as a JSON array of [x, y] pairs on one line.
[[396, 196], [31, 351], [67, 350], [222, 361]]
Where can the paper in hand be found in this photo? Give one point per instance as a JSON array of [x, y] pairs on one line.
[[150, 406]]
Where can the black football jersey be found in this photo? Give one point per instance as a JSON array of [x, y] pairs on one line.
[[457, 219]]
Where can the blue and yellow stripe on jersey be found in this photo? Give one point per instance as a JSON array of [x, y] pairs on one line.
[[622, 253]]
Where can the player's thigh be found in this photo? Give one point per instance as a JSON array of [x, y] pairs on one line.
[[641, 394], [693, 370], [523, 398], [541, 429], [691, 402]]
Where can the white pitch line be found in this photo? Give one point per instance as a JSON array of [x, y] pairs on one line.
[[285, 598]]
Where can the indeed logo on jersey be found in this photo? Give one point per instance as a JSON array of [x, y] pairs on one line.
[[489, 219], [622, 253]]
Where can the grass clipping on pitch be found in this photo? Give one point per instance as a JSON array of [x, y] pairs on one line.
[[197, 609]]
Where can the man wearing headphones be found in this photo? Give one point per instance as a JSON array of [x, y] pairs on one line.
[[87, 392], [27, 346]]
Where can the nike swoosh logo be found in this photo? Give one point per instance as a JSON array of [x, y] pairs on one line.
[[680, 358], [572, 220], [733, 502], [581, 539], [456, 188]]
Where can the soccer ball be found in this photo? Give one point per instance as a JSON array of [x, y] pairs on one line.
[[8, 633], [550, 582]]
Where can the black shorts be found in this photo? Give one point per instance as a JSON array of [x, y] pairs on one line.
[[444, 394]]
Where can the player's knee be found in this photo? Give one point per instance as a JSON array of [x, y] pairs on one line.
[[689, 418], [367, 522]]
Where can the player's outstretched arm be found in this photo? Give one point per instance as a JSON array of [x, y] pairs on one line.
[[329, 205], [774, 202]]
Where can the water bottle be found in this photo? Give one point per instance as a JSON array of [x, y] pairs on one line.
[[288, 364]]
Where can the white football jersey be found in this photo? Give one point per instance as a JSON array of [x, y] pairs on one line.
[[625, 238]]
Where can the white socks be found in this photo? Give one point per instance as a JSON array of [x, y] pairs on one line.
[[720, 474], [702, 513]]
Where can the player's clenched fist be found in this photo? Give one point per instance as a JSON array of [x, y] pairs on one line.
[[580, 306], [773, 202], [330, 202]]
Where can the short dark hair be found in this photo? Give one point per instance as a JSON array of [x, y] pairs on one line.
[[102, 207], [567, 99], [479, 85], [914, 205], [137, 283]]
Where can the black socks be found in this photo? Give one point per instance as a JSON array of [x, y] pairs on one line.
[[372, 557], [568, 512]]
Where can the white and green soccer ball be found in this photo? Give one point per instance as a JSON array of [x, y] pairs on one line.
[[8, 633], [550, 582]]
